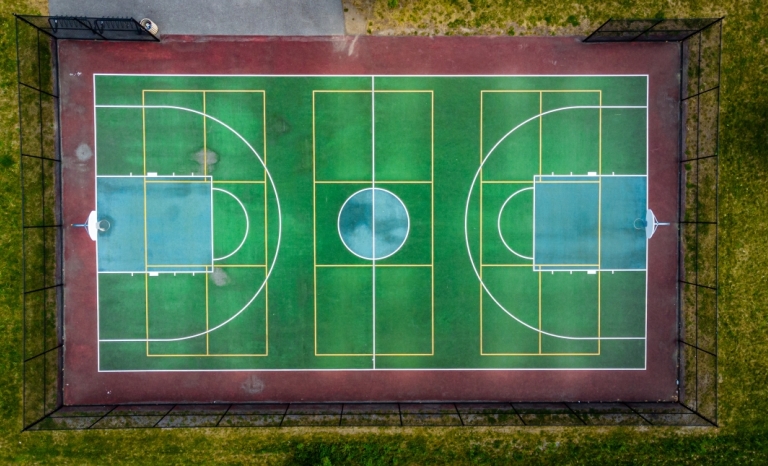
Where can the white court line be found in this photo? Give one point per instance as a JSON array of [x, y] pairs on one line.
[[373, 211], [436, 369], [279, 222], [501, 211], [247, 223], [466, 222], [96, 208], [208, 177], [647, 206], [380, 75]]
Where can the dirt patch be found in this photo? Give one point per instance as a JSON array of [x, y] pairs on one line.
[[205, 157]]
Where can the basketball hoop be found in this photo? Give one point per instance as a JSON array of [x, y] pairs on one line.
[[92, 226], [650, 223]]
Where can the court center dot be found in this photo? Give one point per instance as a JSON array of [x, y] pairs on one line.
[[369, 210]]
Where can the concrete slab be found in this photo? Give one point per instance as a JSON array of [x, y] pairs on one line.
[[221, 17]]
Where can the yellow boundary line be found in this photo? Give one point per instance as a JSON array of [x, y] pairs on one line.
[[539, 266], [430, 182]]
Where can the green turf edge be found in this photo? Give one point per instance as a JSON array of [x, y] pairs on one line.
[[744, 234]]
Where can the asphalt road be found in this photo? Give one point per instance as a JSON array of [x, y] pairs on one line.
[[219, 17]]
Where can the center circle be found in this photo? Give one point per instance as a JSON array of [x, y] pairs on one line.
[[373, 223]]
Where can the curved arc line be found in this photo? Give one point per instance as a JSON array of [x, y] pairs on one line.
[[466, 228], [247, 224], [501, 211], [279, 223]]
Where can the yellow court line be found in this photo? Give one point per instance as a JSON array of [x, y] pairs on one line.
[[222, 266], [505, 182], [539, 313], [179, 181], [179, 265], [207, 344], [567, 182], [370, 265], [480, 196], [146, 308], [600, 179], [205, 90], [506, 265], [314, 223], [371, 354], [542, 354], [205, 144], [432, 213], [206, 355], [541, 131], [598, 312], [368, 91], [266, 228], [566, 265], [491, 91], [239, 182], [369, 182]]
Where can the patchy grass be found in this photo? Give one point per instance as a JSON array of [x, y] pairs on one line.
[[743, 281]]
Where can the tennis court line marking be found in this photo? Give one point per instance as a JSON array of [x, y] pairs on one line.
[[207, 342], [540, 351], [368, 182], [279, 237], [372, 182], [478, 174]]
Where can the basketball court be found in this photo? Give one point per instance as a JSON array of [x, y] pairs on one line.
[[493, 227]]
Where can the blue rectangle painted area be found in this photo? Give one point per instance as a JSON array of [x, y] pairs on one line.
[[566, 222], [179, 228], [624, 199], [120, 201]]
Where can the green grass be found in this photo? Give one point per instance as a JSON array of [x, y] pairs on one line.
[[743, 258]]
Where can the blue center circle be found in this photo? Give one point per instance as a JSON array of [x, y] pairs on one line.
[[373, 223]]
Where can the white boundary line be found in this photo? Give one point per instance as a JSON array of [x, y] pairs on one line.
[[96, 208], [279, 217], [437, 369], [380, 75], [247, 222], [647, 206], [501, 211], [466, 228], [280, 231]]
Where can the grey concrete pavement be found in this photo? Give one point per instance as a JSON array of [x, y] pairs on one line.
[[219, 17]]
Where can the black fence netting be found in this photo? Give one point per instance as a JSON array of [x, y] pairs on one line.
[[700, 41], [700, 50], [40, 161]]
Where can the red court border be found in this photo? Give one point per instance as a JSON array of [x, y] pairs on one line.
[[366, 55]]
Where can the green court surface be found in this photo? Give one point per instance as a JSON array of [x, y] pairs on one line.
[[359, 222]]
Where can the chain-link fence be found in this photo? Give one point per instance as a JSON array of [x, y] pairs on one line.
[[700, 41], [700, 49], [40, 161]]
